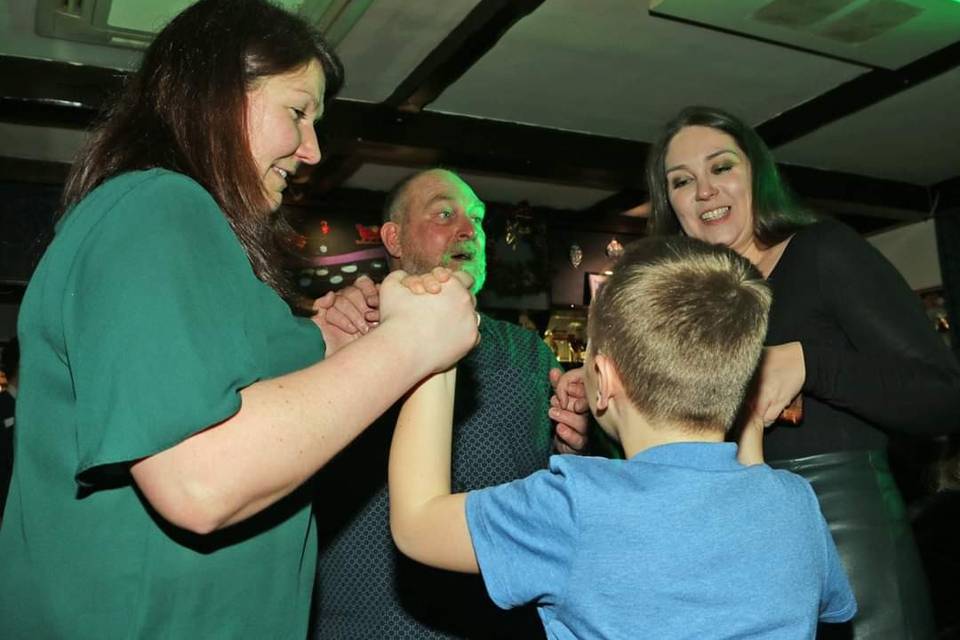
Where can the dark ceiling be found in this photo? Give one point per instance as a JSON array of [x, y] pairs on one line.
[[823, 114]]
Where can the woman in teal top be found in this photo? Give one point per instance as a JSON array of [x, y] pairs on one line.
[[171, 405]]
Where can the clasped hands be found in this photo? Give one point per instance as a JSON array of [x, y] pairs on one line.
[[346, 315]]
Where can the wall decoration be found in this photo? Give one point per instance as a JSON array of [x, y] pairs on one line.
[[935, 305], [333, 251], [576, 255], [368, 235], [614, 249], [517, 256], [518, 225]]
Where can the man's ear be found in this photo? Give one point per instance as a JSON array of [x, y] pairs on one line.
[[609, 385], [390, 234]]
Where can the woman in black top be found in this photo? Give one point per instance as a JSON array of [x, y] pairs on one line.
[[846, 333]]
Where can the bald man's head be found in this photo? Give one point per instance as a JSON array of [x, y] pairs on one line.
[[433, 218]]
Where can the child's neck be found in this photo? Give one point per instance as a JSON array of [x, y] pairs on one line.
[[639, 435]]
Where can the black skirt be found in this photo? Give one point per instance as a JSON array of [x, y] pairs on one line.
[[866, 515]]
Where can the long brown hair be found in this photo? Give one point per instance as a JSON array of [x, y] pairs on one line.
[[185, 110]]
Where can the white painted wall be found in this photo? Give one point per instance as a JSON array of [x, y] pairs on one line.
[[913, 251]]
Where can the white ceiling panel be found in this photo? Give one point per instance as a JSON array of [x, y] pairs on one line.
[[377, 177], [912, 137], [18, 38], [882, 33], [380, 177], [608, 67], [391, 39], [543, 194]]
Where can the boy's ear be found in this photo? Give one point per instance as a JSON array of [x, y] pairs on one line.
[[390, 234], [609, 384]]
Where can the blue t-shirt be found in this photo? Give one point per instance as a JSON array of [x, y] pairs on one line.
[[680, 541]]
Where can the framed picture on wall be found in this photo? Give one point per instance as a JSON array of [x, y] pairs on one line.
[[592, 285]]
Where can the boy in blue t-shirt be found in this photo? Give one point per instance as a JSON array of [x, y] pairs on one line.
[[680, 540]]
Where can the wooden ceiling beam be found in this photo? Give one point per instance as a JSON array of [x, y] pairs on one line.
[[855, 95], [946, 195], [71, 96], [381, 135], [469, 41]]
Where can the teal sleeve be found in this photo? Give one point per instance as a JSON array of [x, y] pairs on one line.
[[154, 322]]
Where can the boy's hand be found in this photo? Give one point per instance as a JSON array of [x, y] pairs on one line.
[[569, 407]]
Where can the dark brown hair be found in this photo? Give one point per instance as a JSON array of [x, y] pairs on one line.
[[185, 110], [776, 214], [683, 322]]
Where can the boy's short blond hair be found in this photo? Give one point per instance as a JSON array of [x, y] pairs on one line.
[[684, 324]]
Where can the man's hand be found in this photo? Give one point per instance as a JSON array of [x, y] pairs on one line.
[[345, 315], [569, 408]]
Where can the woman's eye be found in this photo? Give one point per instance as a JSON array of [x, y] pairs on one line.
[[300, 114], [721, 168], [676, 183]]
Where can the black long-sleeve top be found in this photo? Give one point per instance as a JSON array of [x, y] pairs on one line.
[[873, 362]]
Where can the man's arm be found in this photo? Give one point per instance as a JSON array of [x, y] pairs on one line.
[[427, 522]]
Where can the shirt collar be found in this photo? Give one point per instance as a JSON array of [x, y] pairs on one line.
[[708, 456]]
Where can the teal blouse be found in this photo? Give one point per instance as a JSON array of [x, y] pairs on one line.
[[138, 329]]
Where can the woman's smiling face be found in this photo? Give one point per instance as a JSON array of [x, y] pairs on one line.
[[281, 112], [709, 182]]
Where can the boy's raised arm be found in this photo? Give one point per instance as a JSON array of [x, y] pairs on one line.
[[427, 522]]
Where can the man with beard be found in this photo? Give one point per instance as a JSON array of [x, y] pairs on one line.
[[365, 587]]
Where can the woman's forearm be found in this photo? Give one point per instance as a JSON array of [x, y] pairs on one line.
[[286, 429]]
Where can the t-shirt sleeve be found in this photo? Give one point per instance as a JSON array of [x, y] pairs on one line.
[[525, 536], [153, 323], [899, 375], [837, 602]]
